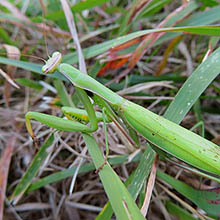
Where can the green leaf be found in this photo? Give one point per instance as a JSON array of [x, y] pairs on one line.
[[137, 180], [86, 167], [120, 199], [100, 48], [29, 83], [62, 93], [30, 66], [178, 211], [194, 86], [208, 200], [103, 47], [32, 170], [142, 172], [79, 7], [5, 37]]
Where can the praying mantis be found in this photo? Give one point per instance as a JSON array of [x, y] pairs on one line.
[[162, 133]]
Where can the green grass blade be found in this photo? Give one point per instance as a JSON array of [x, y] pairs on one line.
[[208, 200], [142, 172], [29, 83], [120, 199], [199, 18], [178, 211], [195, 171], [202, 17], [152, 8], [6, 38], [32, 170], [146, 9], [70, 172], [36, 68], [194, 86], [101, 48], [190, 8], [137, 180], [62, 93], [59, 176], [22, 64], [77, 8], [106, 212]]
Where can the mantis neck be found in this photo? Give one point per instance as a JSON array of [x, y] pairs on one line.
[[86, 82]]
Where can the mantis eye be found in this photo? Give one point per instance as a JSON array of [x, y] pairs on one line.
[[52, 63]]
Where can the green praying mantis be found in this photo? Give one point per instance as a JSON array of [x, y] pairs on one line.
[[166, 135]]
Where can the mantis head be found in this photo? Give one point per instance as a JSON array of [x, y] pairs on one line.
[[52, 63]]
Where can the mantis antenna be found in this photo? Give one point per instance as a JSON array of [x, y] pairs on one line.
[[24, 55]]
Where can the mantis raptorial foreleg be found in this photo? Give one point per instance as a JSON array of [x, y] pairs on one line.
[[60, 123]]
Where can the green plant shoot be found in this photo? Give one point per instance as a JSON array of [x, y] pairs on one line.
[[168, 136]]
